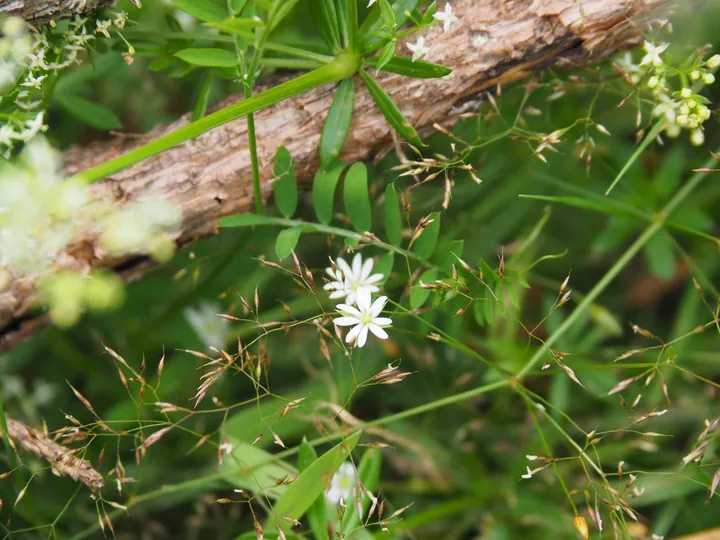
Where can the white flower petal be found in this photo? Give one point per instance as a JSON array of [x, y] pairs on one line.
[[379, 332], [374, 279], [378, 306], [382, 321], [352, 334], [346, 321], [363, 301], [356, 266], [366, 269], [348, 310], [363, 336], [344, 268]]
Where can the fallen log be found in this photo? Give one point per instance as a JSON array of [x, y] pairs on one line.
[[494, 43]]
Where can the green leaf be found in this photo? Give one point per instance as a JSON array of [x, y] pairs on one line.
[[369, 474], [237, 6], [89, 113], [286, 241], [285, 184], [373, 22], [386, 54], [387, 14], [252, 468], [393, 219], [660, 256], [390, 110], [425, 243], [327, 17], [445, 256], [403, 65], [337, 123], [427, 17], [236, 25], [203, 97], [316, 514], [323, 191], [301, 494], [245, 220], [385, 265], [208, 57], [357, 198], [418, 295], [202, 9]]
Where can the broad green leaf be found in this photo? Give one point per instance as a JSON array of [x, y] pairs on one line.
[[418, 295], [203, 97], [337, 123], [301, 494], [316, 514], [425, 244], [385, 265], [88, 112], [390, 110], [369, 473], [208, 57], [245, 220], [403, 65], [253, 469], [239, 26], [202, 9], [285, 184], [286, 241], [660, 256], [357, 199], [386, 54], [445, 256], [323, 191], [393, 219]]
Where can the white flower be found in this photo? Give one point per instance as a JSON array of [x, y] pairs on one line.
[[226, 447], [365, 318], [120, 19], [34, 82], [341, 484], [665, 107], [102, 27], [446, 17], [528, 475], [418, 48], [349, 282], [653, 53], [209, 327]]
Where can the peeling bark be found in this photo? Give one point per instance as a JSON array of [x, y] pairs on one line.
[[494, 42], [42, 11]]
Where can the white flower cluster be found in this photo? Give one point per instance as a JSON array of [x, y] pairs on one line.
[[26, 61], [682, 109], [41, 215], [356, 284]]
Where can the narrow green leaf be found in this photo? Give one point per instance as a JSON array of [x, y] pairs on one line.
[[425, 244], [337, 123], [357, 198], [373, 23], [285, 184], [208, 57], [418, 295], [387, 14], [301, 494], [323, 191], [89, 113], [237, 6], [202, 9], [369, 474], [393, 219], [390, 110], [245, 220], [254, 469], [404, 65], [353, 26], [203, 97], [427, 17], [386, 54], [580, 202], [286, 241], [236, 25], [316, 514], [327, 17]]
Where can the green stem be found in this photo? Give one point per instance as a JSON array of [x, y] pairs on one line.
[[616, 268], [342, 67], [650, 137]]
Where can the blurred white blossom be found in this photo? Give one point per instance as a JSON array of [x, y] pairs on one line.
[[447, 17], [341, 484], [209, 327]]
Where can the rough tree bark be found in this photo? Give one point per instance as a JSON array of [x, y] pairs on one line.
[[494, 42], [40, 11]]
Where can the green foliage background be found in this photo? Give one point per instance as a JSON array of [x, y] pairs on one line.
[[460, 465]]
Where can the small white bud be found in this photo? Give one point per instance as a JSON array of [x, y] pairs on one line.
[[686, 93], [708, 78], [713, 62], [697, 138]]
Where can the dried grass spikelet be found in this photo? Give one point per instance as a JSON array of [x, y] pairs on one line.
[[62, 460]]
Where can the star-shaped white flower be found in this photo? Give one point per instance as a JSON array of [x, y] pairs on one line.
[[341, 483], [365, 318], [347, 282], [446, 17], [653, 53], [418, 48]]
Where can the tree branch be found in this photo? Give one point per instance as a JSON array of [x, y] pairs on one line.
[[493, 43], [42, 11]]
